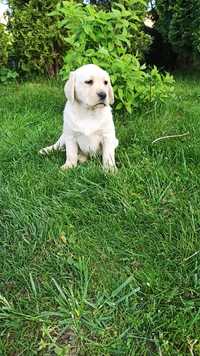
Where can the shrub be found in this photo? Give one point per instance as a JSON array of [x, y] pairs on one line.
[[6, 74], [38, 43], [36, 40], [140, 41], [4, 45], [105, 38], [179, 23]]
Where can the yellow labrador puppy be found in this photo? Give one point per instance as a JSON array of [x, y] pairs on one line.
[[88, 124]]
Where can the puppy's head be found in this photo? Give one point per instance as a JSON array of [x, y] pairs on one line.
[[90, 86]]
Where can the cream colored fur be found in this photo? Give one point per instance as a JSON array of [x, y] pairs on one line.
[[88, 126]]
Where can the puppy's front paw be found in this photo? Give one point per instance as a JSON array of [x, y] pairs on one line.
[[110, 169], [67, 165]]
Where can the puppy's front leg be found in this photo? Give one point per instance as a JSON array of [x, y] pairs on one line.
[[71, 153], [109, 155]]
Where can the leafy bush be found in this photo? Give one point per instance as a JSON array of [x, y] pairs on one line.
[[4, 45], [36, 40], [38, 43], [140, 41], [105, 38], [6, 74], [179, 23]]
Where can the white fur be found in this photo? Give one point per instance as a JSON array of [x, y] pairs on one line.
[[88, 124]]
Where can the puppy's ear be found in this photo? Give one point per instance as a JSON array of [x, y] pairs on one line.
[[110, 93], [69, 88]]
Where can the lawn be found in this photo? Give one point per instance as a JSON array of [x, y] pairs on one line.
[[92, 263]]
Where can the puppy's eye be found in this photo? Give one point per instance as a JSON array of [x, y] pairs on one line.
[[105, 82], [90, 82]]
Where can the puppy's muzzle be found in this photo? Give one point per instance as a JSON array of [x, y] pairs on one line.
[[101, 95]]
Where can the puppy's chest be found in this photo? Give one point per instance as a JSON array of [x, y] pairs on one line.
[[87, 127], [89, 143], [89, 135]]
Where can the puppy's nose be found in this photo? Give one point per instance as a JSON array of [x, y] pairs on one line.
[[101, 95]]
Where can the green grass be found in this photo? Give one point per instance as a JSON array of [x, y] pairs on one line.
[[97, 264]]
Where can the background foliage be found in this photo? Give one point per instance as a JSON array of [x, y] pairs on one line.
[[90, 40], [39, 46], [4, 45], [37, 42], [179, 23], [46, 34], [6, 73]]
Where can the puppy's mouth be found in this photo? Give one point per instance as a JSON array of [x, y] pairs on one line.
[[100, 104]]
